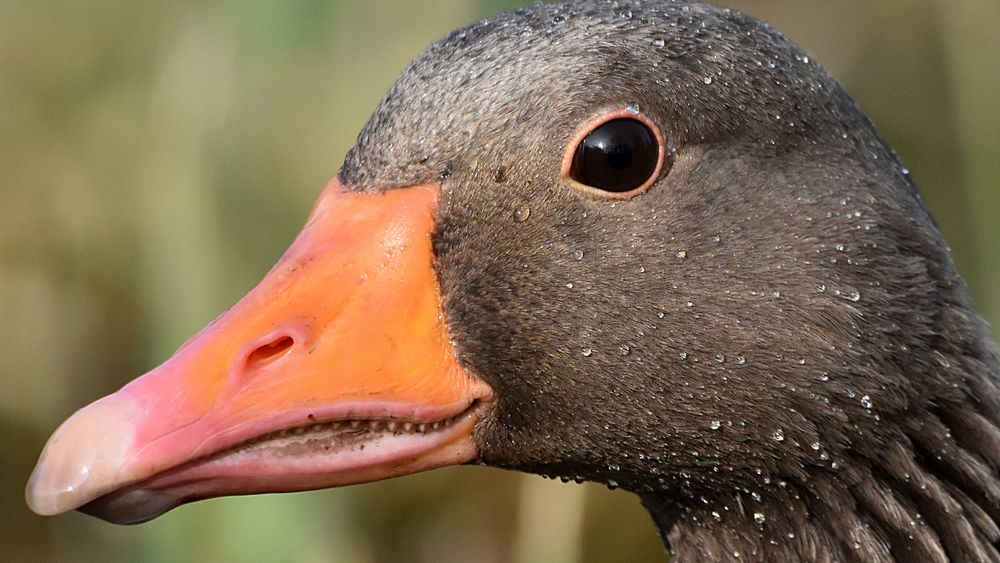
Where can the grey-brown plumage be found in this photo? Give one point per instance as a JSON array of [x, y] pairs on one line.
[[771, 347]]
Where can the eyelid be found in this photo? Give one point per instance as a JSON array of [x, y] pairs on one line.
[[588, 127]]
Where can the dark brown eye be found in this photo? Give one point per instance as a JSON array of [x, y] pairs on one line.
[[618, 156]]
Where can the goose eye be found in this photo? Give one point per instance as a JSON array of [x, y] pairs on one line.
[[618, 156]]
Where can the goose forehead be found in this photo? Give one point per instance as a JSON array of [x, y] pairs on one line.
[[525, 78]]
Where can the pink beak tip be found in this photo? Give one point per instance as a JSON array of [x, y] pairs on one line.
[[84, 456]]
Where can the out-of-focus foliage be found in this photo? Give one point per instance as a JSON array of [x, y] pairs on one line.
[[157, 157]]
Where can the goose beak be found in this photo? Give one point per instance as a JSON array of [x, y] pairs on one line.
[[336, 369]]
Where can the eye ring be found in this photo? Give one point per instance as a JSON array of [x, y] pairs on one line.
[[569, 156]]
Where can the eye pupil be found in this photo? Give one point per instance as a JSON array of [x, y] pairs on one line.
[[617, 156]]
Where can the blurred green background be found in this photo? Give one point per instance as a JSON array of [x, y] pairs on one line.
[[157, 157]]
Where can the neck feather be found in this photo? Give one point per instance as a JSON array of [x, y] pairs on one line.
[[931, 494]]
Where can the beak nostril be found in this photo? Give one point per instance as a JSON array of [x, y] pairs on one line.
[[267, 353]]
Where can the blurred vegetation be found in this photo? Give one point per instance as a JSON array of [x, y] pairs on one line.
[[157, 157]]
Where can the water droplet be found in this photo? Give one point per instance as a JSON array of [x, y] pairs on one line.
[[707, 79], [659, 42], [740, 360], [522, 213], [824, 376], [612, 485], [642, 269], [715, 424], [778, 435], [578, 254], [852, 296], [840, 247], [821, 288], [625, 14], [866, 402], [632, 107], [660, 314], [682, 356], [624, 350], [500, 174], [805, 60], [758, 517], [586, 352], [720, 358], [815, 446], [558, 19], [716, 516], [776, 294], [682, 254]]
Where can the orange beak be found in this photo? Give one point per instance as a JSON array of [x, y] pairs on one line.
[[336, 369]]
